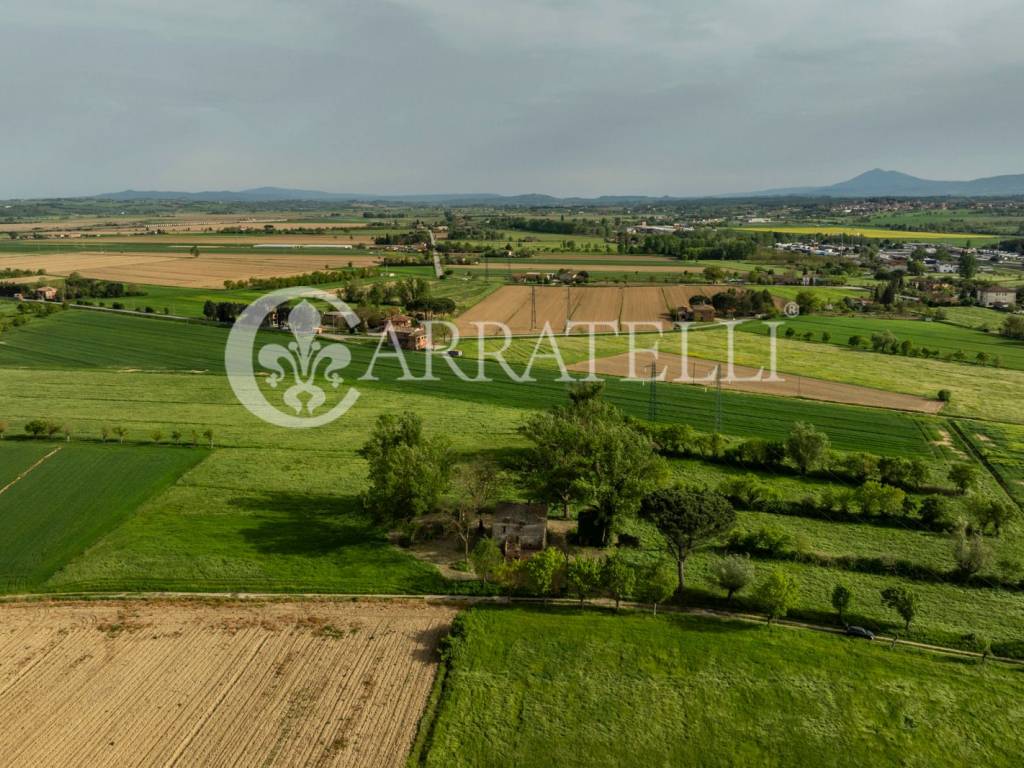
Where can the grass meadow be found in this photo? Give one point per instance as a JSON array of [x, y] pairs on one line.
[[278, 510], [556, 687]]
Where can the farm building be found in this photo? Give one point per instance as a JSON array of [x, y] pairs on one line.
[[519, 527], [701, 313], [996, 297], [46, 293], [410, 338]]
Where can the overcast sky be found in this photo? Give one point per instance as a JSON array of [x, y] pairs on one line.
[[565, 97]]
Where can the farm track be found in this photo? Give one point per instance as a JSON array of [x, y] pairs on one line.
[[27, 471]]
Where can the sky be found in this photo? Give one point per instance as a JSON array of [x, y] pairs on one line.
[[563, 97]]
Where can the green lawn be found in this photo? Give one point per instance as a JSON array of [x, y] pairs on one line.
[[66, 503], [541, 688]]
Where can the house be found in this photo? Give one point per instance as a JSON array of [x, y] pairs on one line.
[[517, 527], [400, 321], [703, 313], [996, 297], [46, 293], [410, 338]]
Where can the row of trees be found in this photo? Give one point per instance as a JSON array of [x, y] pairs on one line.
[[45, 428]]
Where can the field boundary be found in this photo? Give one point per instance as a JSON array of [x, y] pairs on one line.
[[982, 459], [27, 471]]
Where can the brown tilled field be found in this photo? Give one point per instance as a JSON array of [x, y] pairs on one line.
[[189, 683], [511, 304], [210, 270], [702, 372]]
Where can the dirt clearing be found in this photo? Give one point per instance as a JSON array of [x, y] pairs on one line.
[[702, 373], [325, 683]]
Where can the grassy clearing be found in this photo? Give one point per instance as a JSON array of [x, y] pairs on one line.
[[945, 337], [59, 509], [978, 318], [565, 688], [1002, 445]]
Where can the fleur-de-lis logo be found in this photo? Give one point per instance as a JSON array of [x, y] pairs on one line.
[[305, 354], [304, 366]]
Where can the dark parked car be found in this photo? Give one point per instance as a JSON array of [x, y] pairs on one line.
[[867, 634]]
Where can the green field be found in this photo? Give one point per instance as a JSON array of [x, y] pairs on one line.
[[278, 510], [66, 503], [944, 337], [953, 238], [556, 687]]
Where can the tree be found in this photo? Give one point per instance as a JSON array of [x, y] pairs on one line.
[[3, 428], [476, 486], [543, 571], [687, 518], [968, 266], [208, 434], [35, 427], [655, 584], [194, 251], [104, 434], [841, 599], [775, 594], [619, 577], [969, 552], [176, 436], [486, 559], [980, 644], [156, 435], [121, 433], [990, 513], [209, 310], [901, 600], [583, 575], [963, 476], [732, 573], [807, 301], [806, 447], [68, 431], [511, 574], [588, 453], [408, 472]]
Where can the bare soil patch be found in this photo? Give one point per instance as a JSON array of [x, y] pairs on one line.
[[320, 682], [702, 373]]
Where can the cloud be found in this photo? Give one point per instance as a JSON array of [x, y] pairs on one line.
[[559, 96]]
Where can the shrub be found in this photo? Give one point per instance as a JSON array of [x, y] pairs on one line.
[[945, 395]]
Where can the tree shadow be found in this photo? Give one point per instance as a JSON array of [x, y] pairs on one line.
[[309, 524]]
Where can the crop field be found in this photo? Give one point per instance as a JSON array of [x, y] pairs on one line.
[[978, 391], [944, 337], [727, 691], [278, 510], [953, 238], [204, 683], [513, 305], [209, 270], [58, 504], [703, 373]]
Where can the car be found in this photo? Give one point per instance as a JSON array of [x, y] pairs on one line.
[[867, 634]]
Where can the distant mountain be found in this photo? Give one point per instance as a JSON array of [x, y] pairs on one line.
[[879, 183], [875, 183], [270, 194]]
